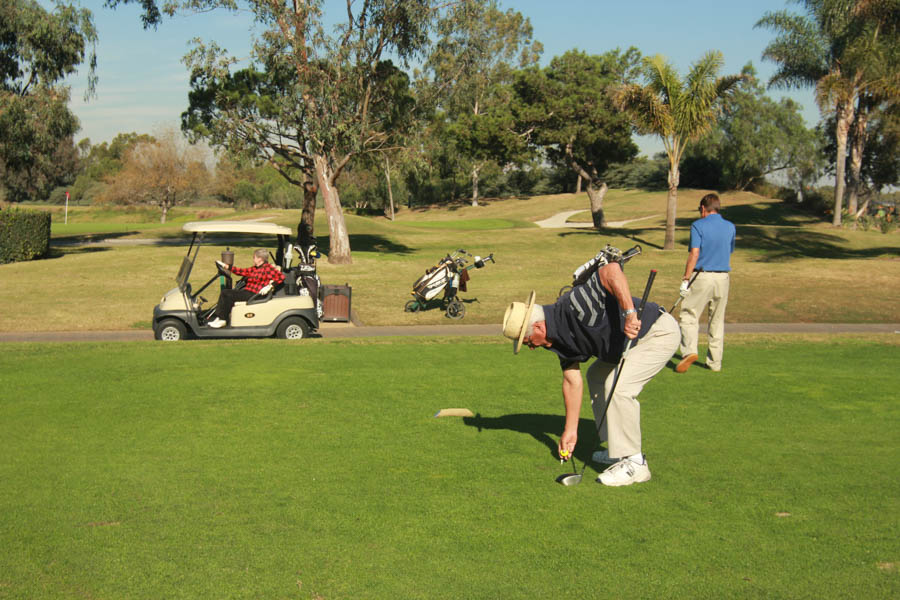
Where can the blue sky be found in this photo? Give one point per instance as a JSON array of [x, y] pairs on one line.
[[143, 83]]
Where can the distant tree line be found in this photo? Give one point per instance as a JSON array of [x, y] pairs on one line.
[[342, 120]]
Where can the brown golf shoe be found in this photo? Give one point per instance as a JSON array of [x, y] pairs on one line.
[[686, 362]]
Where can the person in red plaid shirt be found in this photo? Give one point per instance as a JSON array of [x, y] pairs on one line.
[[258, 276]]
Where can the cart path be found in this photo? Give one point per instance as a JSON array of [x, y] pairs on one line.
[[348, 330], [558, 221]]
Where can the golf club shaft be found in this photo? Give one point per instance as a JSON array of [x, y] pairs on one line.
[[628, 344], [690, 283]]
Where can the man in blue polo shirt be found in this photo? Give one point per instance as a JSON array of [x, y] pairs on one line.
[[592, 321], [712, 242]]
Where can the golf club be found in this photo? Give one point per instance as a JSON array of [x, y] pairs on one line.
[[573, 478], [628, 344], [690, 283]]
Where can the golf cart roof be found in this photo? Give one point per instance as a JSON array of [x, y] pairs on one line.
[[236, 227]]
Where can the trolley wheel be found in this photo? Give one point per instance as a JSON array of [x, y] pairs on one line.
[[413, 306], [456, 310]]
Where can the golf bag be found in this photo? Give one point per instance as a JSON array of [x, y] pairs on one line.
[[307, 253], [449, 275], [604, 257]]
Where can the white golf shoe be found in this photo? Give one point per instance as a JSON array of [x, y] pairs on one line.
[[625, 472], [216, 323], [602, 456]]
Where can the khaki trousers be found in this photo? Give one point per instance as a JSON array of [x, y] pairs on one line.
[[708, 289], [622, 427]]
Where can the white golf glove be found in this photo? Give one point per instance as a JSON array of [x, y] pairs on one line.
[[684, 290]]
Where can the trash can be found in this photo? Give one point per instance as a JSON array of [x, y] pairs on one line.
[[336, 302]]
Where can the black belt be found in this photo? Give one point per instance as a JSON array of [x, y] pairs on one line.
[[696, 271]]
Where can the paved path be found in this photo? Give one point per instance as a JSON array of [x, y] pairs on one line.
[[558, 221], [344, 330]]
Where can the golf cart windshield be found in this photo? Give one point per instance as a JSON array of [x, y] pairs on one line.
[[184, 272]]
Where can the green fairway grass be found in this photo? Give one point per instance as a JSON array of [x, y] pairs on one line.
[[260, 469]]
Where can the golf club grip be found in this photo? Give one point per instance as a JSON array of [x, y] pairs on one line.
[[640, 310], [697, 272]]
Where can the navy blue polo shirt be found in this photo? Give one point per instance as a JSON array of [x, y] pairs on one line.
[[587, 322], [714, 236]]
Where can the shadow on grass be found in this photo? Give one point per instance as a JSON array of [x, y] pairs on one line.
[[546, 429], [65, 251], [366, 242], [633, 234], [86, 238], [780, 245], [768, 213]]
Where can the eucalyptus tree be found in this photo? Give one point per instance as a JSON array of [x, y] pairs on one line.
[[847, 50], [38, 49], [678, 110], [574, 122], [312, 100], [467, 77]]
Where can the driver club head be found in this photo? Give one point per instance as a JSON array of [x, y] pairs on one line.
[[569, 479], [573, 478]]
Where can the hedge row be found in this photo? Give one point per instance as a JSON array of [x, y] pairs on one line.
[[24, 235]]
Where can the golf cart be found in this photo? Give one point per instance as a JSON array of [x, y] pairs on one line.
[[290, 310]]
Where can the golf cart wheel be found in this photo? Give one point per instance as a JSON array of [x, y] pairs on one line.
[[171, 330], [293, 328], [456, 310], [413, 306]]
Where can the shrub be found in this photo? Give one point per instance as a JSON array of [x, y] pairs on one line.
[[640, 173], [24, 235]]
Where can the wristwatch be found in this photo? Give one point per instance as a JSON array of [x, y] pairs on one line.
[[629, 311]]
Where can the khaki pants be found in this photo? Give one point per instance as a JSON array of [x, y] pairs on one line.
[[708, 289], [622, 427]]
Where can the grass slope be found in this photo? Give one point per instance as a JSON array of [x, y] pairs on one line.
[[233, 470], [787, 267]]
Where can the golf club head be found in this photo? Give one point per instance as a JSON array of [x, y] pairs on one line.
[[569, 479]]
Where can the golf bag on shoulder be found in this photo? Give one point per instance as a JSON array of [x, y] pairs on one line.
[[604, 257]]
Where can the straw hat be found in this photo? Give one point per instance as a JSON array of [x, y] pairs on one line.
[[516, 320]]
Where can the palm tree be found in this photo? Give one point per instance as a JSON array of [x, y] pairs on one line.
[[840, 47], [678, 110]]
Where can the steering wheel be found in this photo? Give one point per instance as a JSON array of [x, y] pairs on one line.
[[222, 268]]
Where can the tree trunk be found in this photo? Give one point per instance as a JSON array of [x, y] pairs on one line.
[[338, 239], [671, 205], [857, 145], [844, 116], [387, 175], [596, 195], [308, 215], [578, 185], [165, 210], [475, 185]]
